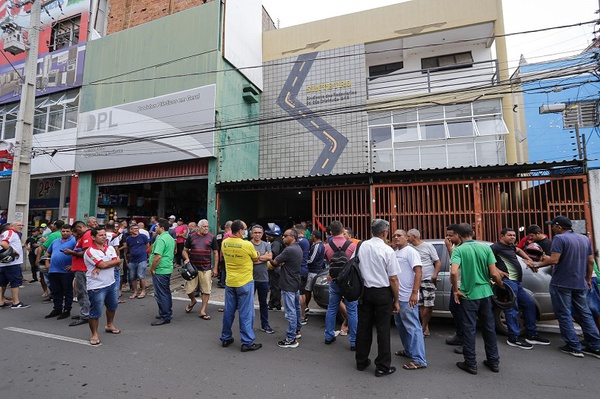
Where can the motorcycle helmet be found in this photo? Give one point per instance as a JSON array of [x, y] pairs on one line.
[[504, 297], [534, 251], [7, 255], [188, 271], [274, 230]]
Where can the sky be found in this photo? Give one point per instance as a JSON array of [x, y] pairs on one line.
[[519, 16]]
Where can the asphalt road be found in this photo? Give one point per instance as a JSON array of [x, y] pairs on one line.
[[47, 359]]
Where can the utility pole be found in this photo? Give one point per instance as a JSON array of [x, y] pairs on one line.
[[18, 203]]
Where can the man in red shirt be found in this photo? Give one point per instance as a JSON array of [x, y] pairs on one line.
[[84, 241]]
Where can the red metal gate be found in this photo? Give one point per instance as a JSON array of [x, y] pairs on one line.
[[488, 205]]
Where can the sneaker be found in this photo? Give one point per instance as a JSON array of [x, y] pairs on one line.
[[592, 352], [329, 341], [287, 344], [304, 321], [268, 330], [517, 343], [454, 340], [19, 305], [306, 310], [64, 315], [567, 349], [249, 348], [298, 335], [536, 340]]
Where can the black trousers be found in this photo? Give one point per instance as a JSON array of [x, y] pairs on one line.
[[375, 310], [274, 290], [61, 285]]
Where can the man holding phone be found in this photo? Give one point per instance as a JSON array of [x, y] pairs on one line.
[[60, 274]]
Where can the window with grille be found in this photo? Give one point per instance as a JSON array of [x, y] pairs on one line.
[[447, 62], [65, 33], [583, 113]]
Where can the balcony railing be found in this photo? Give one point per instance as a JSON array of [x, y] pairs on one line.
[[441, 79]]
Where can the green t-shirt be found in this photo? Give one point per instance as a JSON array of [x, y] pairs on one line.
[[53, 236], [164, 245], [474, 258]]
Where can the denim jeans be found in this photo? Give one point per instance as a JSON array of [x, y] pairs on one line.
[[335, 297], [242, 300], [262, 287], [471, 309], [527, 306], [162, 295], [293, 313], [61, 285], [411, 332], [565, 299], [107, 296]]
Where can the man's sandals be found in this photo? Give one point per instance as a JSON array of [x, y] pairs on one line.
[[189, 308], [414, 366]]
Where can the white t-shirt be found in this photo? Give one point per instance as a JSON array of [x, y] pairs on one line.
[[377, 263], [12, 238], [428, 256], [408, 259], [94, 256]]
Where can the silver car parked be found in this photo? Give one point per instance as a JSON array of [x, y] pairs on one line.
[[536, 284]]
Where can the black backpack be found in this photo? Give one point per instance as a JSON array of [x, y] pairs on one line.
[[349, 280], [338, 260]]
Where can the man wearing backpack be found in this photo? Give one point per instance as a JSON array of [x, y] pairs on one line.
[[337, 254]]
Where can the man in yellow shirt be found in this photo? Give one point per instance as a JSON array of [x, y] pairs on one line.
[[239, 255]]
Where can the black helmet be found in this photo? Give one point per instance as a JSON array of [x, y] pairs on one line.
[[7, 255], [188, 271], [534, 250], [504, 297]]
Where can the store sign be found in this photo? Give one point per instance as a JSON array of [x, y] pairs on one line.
[[168, 128], [6, 158]]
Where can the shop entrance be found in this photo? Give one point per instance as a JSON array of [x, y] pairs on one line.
[[185, 199]]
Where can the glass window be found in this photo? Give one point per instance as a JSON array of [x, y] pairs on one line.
[[405, 115], [55, 118], [383, 160], [431, 113], [458, 110], [491, 153], [406, 158], [379, 118], [460, 128], [492, 125], [433, 156], [39, 121], [433, 131], [404, 133], [487, 107], [461, 155], [71, 117], [10, 126], [381, 137]]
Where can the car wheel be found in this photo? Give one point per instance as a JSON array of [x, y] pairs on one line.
[[500, 319]]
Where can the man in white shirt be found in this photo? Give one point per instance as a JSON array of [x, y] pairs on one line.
[[100, 260], [407, 321], [379, 269], [431, 267], [10, 271]]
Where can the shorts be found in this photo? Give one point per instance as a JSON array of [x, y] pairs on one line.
[[103, 296], [205, 281], [310, 282], [427, 294], [303, 280], [11, 275], [593, 298], [137, 271]]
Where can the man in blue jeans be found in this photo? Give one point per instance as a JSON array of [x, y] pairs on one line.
[[573, 262], [239, 255], [510, 269], [335, 297], [407, 321], [161, 267], [261, 275], [290, 261], [477, 264]]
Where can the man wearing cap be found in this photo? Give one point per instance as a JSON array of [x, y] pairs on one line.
[[573, 260], [172, 221]]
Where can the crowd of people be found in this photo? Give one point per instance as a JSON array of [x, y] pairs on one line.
[[90, 264]]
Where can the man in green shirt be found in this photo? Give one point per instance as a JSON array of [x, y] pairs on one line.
[[477, 264], [161, 267], [56, 226]]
